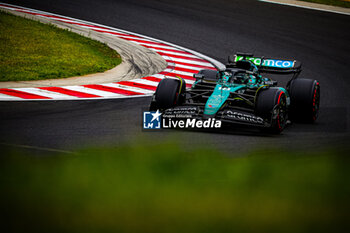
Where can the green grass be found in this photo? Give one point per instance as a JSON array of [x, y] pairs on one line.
[[30, 50], [341, 3], [163, 188]]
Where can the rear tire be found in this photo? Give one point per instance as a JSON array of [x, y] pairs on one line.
[[271, 105], [304, 100], [169, 93]]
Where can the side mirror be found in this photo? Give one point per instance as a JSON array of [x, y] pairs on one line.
[[198, 76]]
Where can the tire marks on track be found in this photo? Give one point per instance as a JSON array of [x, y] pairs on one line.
[[182, 63]]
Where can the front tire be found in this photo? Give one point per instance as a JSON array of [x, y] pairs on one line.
[[271, 105], [169, 93]]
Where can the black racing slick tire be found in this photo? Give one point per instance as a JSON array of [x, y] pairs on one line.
[[210, 75], [304, 100], [271, 105], [169, 93]]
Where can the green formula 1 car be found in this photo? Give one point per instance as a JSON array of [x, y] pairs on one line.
[[239, 94]]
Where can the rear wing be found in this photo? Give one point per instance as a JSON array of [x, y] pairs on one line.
[[268, 65]]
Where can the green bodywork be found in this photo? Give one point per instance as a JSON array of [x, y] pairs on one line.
[[219, 97], [224, 88]]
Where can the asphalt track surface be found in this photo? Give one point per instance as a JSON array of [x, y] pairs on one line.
[[215, 28]]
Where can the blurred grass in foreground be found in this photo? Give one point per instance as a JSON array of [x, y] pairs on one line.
[[148, 188], [341, 3], [30, 50]]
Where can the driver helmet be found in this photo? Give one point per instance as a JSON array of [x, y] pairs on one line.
[[226, 76]]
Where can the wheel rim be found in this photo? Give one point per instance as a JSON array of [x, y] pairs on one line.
[[281, 111]]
